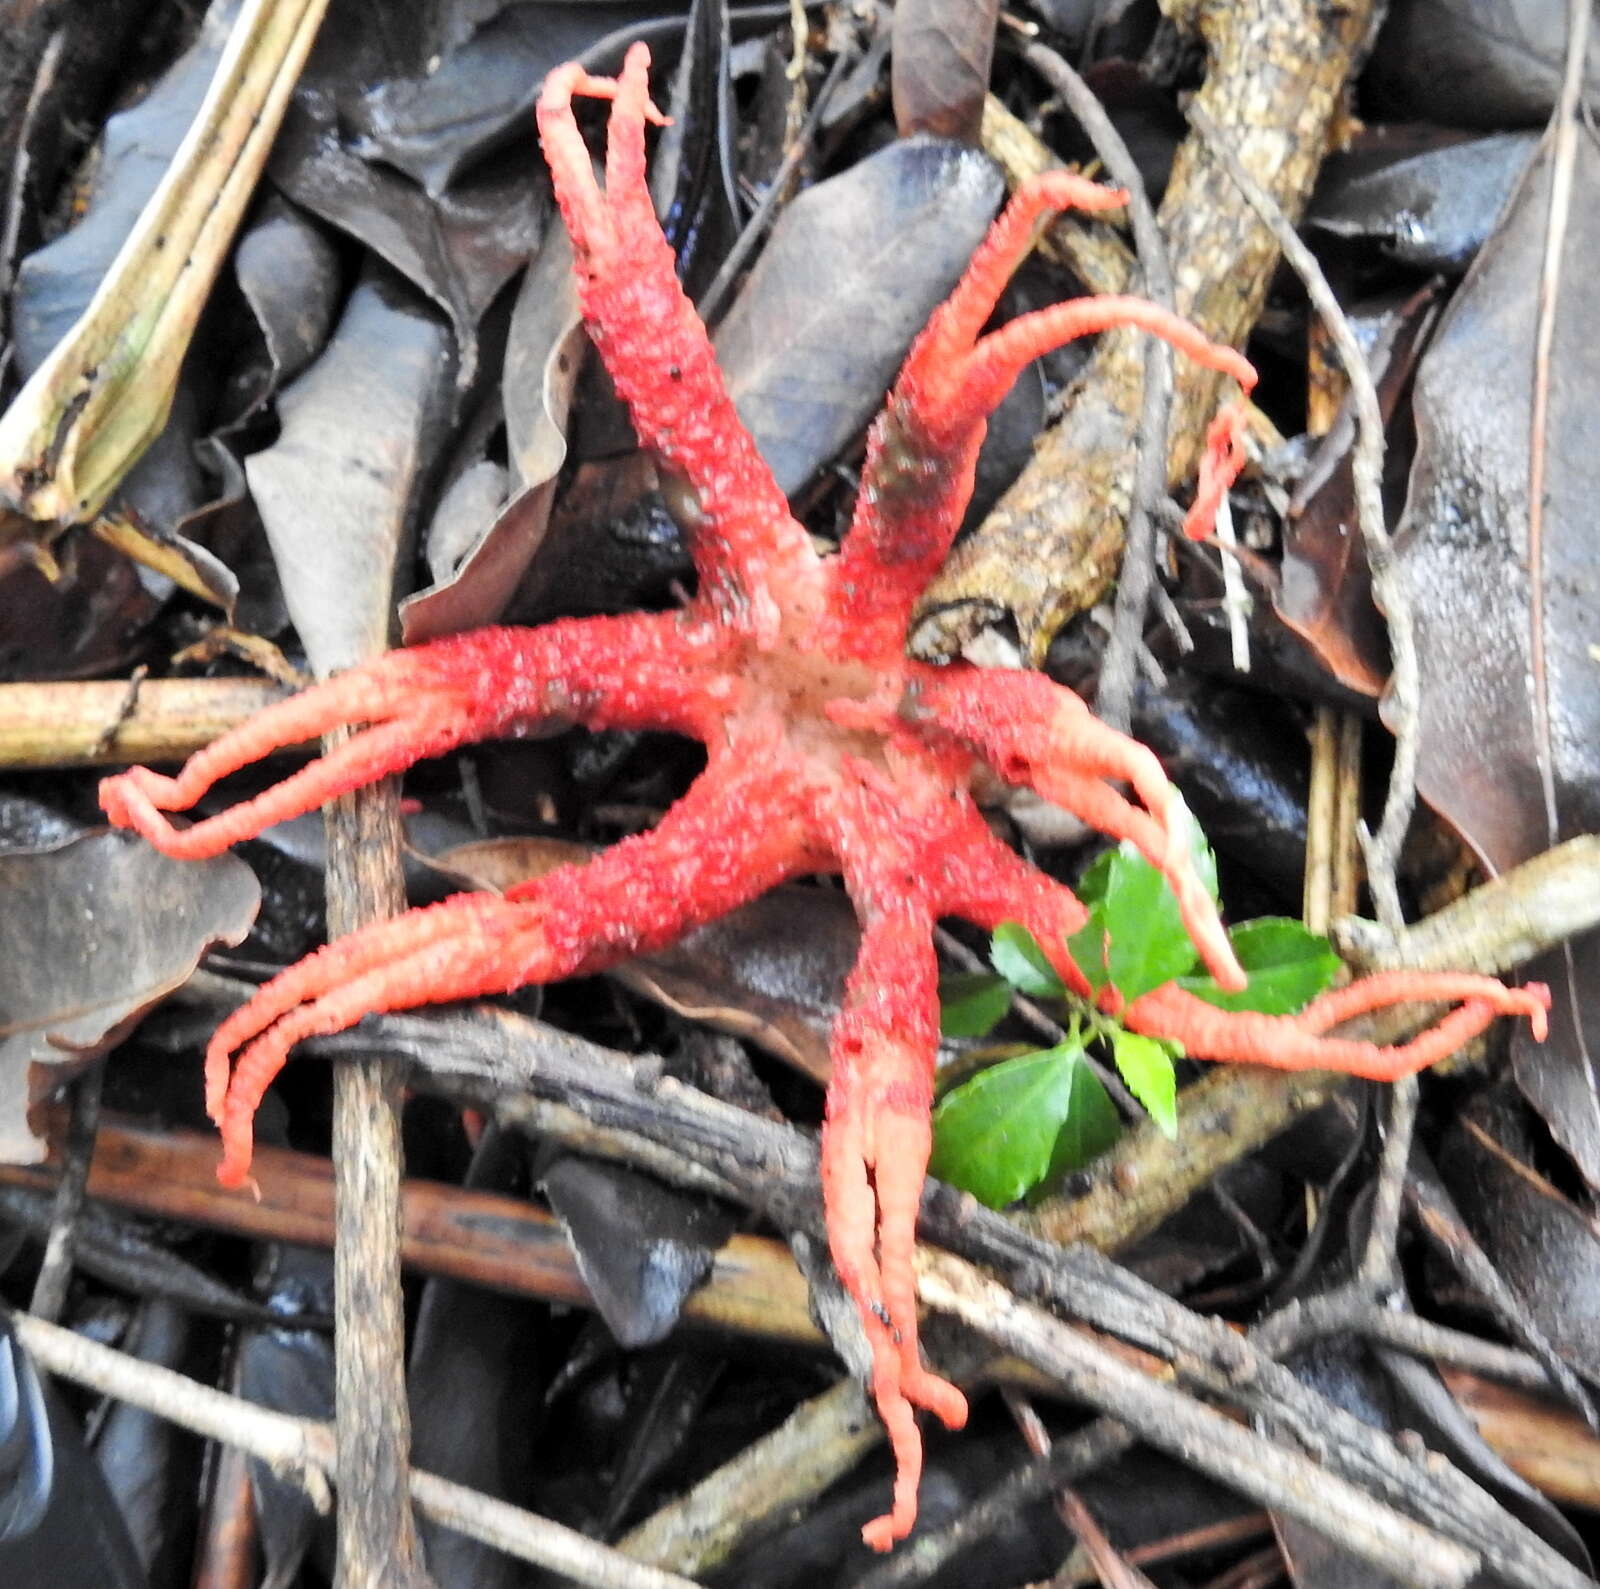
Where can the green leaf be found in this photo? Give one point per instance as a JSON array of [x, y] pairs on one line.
[[1096, 878], [1091, 1126], [1016, 955], [971, 1003], [1287, 966], [1020, 1123], [1146, 1066], [1132, 905], [1089, 946]]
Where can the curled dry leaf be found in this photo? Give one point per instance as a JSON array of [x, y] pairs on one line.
[[544, 353], [95, 933]]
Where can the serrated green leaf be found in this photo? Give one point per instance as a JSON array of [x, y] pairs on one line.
[[1016, 955], [1145, 1064], [1019, 1123], [1287, 966], [1135, 936], [971, 1003]]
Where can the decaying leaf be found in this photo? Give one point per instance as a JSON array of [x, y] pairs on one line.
[[939, 68], [94, 934], [459, 246], [1325, 591], [1474, 63], [1431, 208], [641, 1247], [1510, 717], [337, 490], [1545, 1247]]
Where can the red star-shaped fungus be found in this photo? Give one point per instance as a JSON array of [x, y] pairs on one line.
[[828, 749]]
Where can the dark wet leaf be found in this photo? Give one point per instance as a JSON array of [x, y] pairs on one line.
[[1446, 1427], [544, 352], [1431, 210], [1325, 591], [151, 1465], [1239, 759], [1342, 1371], [289, 1370], [692, 177], [433, 124], [476, 1391], [288, 271], [1510, 711], [1546, 1248], [55, 284], [460, 247], [87, 622], [58, 1522], [115, 1249], [641, 1247], [1474, 63], [337, 490], [95, 933], [772, 971], [66, 60], [939, 71], [851, 273]]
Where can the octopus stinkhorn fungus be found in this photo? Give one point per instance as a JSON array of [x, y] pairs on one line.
[[828, 749]]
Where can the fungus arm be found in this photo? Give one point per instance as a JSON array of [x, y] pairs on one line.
[[421, 702], [922, 451], [1038, 734], [753, 558], [1296, 1042], [731, 837]]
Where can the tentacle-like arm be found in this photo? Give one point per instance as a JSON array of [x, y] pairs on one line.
[[922, 451], [1038, 734], [875, 1146], [986, 882], [749, 551], [604, 672], [1295, 1042], [732, 836]]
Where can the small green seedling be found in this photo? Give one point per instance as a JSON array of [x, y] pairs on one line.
[[1019, 1126]]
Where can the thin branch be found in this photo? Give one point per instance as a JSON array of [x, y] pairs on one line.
[[1270, 1473], [1119, 666], [1388, 585]]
